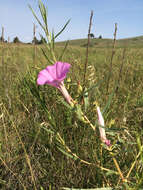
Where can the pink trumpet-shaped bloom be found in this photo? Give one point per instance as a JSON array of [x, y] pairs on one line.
[[101, 129], [54, 75]]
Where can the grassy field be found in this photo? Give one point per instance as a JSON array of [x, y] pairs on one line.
[[32, 154], [135, 42]]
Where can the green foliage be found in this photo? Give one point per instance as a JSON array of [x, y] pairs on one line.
[[91, 35], [40, 113], [35, 41], [16, 40], [45, 143], [106, 188], [107, 43], [2, 39], [49, 35]]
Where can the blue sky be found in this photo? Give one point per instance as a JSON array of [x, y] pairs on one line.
[[18, 20]]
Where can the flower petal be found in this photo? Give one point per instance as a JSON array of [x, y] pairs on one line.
[[53, 74], [51, 69], [102, 129], [61, 70], [100, 117], [107, 142], [42, 77], [45, 78]]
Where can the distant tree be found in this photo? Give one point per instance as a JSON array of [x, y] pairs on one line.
[[91, 35], [1, 39], [35, 41], [100, 37], [42, 41], [2, 35], [16, 40]]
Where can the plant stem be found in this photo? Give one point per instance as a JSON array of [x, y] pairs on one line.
[[112, 56], [87, 120], [87, 50], [118, 168], [120, 72], [133, 164], [61, 140]]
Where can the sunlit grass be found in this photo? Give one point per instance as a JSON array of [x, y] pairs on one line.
[[29, 155]]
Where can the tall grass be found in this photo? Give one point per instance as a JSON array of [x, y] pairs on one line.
[[30, 158], [47, 144]]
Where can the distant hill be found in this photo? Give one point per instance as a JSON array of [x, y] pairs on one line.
[[96, 42]]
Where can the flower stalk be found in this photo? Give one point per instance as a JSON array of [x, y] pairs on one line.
[[118, 168], [66, 95]]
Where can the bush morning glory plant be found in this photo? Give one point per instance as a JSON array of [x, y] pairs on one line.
[[54, 75]]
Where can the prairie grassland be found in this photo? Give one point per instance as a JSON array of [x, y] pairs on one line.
[[30, 155]]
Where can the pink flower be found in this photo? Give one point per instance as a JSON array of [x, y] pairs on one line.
[[101, 129], [54, 75]]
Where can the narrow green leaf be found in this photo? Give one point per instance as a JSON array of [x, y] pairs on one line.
[[37, 18], [2, 181], [111, 172], [31, 85], [43, 12], [49, 60], [94, 86], [67, 154], [79, 112], [65, 103], [65, 47], [53, 40], [48, 130], [139, 142], [108, 102], [62, 29], [86, 100]]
